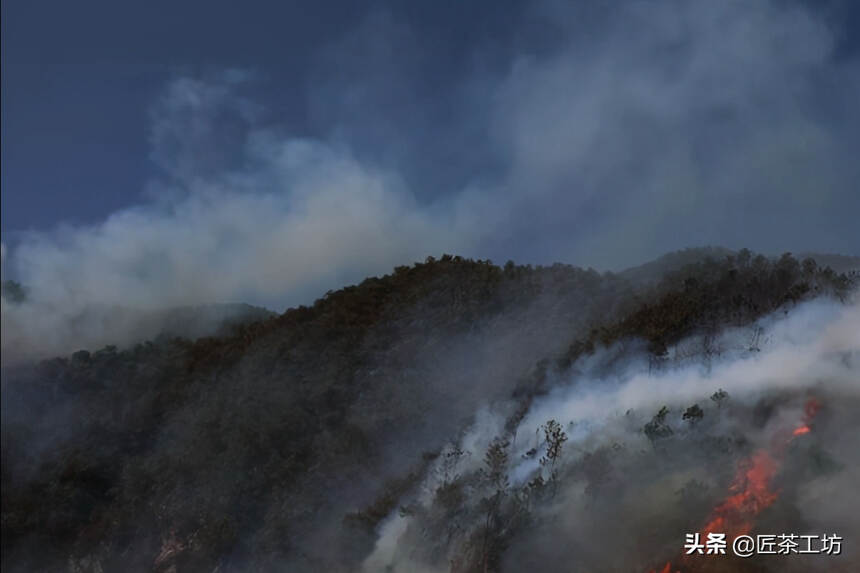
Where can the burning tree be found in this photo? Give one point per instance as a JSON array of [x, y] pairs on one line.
[[751, 490]]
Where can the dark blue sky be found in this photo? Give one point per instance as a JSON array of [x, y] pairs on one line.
[[79, 79]]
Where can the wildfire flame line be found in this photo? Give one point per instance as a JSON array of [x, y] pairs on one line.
[[750, 490]]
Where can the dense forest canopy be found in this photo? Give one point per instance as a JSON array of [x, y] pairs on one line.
[[288, 442]]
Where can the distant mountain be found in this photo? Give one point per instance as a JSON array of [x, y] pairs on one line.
[[97, 325], [653, 271], [839, 263]]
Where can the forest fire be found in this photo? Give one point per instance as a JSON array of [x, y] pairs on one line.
[[810, 410], [751, 491], [753, 494]]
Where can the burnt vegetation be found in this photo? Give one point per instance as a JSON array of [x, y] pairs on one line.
[[287, 442]]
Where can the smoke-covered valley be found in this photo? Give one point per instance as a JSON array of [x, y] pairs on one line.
[[454, 416]]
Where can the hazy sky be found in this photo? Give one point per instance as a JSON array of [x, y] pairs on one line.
[[172, 151]]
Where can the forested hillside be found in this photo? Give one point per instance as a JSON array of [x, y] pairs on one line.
[[287, 443]]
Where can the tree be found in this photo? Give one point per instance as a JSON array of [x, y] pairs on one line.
[[496, 462], [657, 428], [755, 339], [13, 292], [447, 469], [694, 413], [719, 397], [496, 475], [555, 438]]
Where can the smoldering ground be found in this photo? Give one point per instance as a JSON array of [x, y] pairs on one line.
[[622, 498]]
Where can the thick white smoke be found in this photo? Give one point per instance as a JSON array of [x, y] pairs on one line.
[[296, 218], [815, 346], [818, 341]]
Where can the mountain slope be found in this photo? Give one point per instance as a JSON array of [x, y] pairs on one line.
[[286, 443]]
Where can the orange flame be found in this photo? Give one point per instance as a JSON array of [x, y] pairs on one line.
[[751, 492], [734, 516], [809, 411]]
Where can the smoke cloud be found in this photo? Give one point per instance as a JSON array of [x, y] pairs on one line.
[[296, 218]]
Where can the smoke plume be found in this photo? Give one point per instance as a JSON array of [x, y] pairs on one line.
[[781, 402]]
